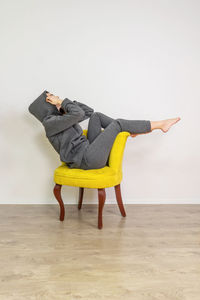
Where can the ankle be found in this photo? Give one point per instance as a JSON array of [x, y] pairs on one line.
[[156, 124]]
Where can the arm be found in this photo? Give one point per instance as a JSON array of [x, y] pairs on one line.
[[56, 123], [87, 109]]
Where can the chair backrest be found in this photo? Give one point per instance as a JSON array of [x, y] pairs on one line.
[[116, 154]]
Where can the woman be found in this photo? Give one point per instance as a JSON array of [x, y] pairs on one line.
[[60, 119]]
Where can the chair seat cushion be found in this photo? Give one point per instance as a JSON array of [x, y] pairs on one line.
[[93, 178]]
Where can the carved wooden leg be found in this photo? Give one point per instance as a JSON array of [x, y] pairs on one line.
[[101, 198], [57, 193], [119, 200], [81, 190]]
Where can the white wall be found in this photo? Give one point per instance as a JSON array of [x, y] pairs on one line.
[[128, 59]]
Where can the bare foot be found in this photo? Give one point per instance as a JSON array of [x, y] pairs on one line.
[[166, 124]]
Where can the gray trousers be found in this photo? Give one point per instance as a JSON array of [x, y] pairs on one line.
[[97, 153]]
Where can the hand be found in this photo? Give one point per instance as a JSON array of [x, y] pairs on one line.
[[55, 100]]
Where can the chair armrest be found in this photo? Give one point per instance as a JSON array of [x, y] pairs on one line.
[[117, 151]]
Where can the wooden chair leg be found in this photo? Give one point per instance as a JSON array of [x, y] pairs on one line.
[[119, 200], [81, 190], [57, 194], [101, 198]]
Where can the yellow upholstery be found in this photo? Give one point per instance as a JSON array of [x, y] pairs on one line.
[[107, 176]]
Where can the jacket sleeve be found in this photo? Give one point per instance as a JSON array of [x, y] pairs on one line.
[[87, 109], [55, 124]]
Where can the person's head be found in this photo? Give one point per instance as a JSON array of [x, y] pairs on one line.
[[41, 108]]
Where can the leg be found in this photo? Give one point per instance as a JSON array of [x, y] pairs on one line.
[[57, 193], [101, 198], [97, 153], [97, 121], [119, 200], [81, 190], [135, 126], [164, 125]]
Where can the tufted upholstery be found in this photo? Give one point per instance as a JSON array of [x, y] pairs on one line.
[[107, 176]]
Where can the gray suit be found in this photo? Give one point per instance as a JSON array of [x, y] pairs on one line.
[[66, 135]]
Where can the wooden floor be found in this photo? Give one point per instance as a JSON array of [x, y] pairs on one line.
[[153, 253]]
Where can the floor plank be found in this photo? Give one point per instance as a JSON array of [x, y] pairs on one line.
[[153, 253]]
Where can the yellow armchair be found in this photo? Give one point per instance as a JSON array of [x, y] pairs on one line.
[[108, 176]]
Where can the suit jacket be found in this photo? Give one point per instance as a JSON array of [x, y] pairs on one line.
[[65, 134]]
